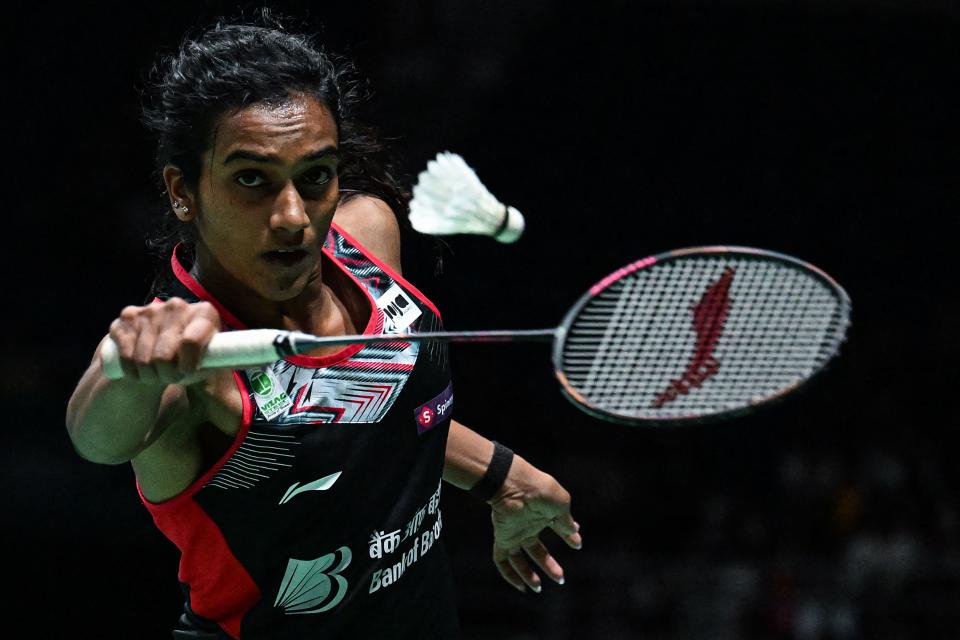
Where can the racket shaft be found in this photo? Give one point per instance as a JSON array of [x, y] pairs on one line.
[[255, 347]]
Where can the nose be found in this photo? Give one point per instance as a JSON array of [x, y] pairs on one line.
[[289, 213]]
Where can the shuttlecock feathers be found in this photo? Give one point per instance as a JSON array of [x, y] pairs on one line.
[[449, 199]]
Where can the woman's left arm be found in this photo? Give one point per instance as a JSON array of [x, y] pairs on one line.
[[527, 502]]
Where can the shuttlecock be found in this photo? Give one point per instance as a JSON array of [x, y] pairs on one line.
[[449, 199]]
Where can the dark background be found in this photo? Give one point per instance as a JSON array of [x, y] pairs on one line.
[[825, 130]]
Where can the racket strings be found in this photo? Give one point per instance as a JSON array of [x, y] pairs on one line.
[[699, 336]]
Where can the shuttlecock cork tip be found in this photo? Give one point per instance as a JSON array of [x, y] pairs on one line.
[[512, 227]]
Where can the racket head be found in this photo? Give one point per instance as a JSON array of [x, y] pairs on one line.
[[699, 334]]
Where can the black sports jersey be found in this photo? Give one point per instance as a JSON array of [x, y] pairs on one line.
[[322, 519]]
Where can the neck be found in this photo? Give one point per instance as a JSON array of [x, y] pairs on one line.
[[310, 310]]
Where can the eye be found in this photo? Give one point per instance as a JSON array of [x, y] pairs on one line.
[[250, 179], [319, 176]]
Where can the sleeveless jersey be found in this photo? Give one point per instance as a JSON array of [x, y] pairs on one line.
[[322, 519]]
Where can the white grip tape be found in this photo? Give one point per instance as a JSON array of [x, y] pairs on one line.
[[110, 360], [232, 349]]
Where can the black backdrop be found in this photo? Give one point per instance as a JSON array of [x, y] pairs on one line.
[[620, 130]]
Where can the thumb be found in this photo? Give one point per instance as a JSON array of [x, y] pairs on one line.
[[568, 529]]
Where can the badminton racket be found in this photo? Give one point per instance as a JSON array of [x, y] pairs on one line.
[[685, 336]]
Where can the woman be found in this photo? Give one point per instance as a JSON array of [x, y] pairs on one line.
[[303, 495]]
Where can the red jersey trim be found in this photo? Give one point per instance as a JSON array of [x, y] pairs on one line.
[[388, 269], [194, 532], [188, 526], [197, 289]]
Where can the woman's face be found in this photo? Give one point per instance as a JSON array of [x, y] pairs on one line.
[[267, 194]]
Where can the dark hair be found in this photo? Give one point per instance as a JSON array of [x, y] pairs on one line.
[[232, 65]]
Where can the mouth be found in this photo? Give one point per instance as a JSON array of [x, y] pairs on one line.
[[285, 257]]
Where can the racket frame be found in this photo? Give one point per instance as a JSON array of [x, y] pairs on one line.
[[576, 398]]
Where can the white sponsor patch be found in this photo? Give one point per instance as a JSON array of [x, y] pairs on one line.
[[268, 393], [399, 311]]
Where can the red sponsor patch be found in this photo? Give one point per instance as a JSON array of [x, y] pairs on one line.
[[435, 411], [425, 418]]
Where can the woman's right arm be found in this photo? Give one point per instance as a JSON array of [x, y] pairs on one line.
[[160, 345]]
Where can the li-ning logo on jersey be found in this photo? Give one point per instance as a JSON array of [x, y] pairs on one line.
[[436, 411], [399, 311], [322, 484]]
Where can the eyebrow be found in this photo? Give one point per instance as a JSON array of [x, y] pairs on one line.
[[242, 154]]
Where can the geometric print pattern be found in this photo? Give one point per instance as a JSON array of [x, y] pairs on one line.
[[360, 389]]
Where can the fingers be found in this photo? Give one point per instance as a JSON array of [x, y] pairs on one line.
[[523, 569], [163, 342], [509, 573], [569, 530], [196, 337], [124, 334], [518, 523], [563, 523], [516, 570], [143, 352], [539, 554], [515, 566]]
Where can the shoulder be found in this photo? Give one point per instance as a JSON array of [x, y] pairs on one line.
[[374, 224]]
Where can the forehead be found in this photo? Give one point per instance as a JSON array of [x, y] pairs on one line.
[[294, 125]]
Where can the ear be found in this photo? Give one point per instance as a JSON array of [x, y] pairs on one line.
[[181, 200]]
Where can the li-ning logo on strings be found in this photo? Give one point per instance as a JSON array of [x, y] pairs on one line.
[[709, 317]]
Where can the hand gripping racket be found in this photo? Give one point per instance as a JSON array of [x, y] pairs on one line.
[[683, 336]]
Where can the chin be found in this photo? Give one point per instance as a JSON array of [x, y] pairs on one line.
[[283, 293]]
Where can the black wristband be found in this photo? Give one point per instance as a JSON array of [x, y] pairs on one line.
[[495, 475]]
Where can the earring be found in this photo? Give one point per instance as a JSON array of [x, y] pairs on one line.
[[179, 205]]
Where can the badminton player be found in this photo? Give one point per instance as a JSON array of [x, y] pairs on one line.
[[304, 496]]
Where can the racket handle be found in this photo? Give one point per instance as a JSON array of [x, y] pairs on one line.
[[231, 349]]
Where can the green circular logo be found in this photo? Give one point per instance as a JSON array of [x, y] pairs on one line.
[[262, 385]]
